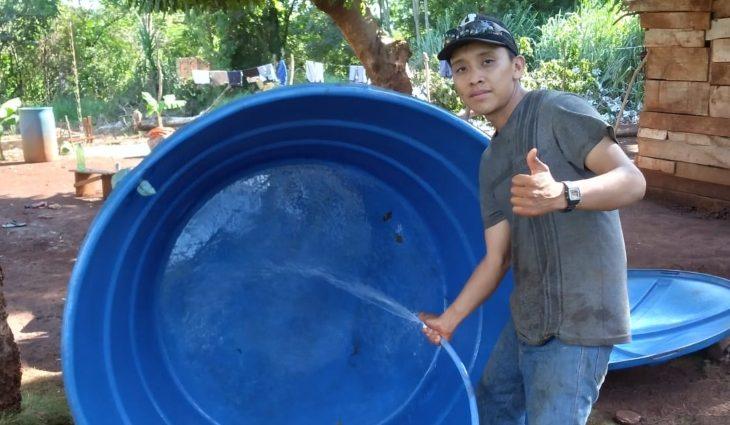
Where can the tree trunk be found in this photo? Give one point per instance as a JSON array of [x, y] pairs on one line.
[[75, 69], [384, 59], [416, 20], [426, 25], [9, 361]]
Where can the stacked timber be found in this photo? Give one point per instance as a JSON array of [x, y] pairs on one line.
[[684, 127]]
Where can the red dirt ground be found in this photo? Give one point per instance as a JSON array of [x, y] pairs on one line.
[[38, 259]]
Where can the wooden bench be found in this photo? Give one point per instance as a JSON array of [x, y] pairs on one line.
[[84, 178]]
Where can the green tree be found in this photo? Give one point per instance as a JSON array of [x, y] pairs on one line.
[[8, 116], [23, 24], [384, 58]]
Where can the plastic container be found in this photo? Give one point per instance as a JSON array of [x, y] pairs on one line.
[[209, 299], [38, 132]]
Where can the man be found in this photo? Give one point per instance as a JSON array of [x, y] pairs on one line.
[[550, 183]]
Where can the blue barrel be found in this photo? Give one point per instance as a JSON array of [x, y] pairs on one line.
[[38, 132], [234, 293]]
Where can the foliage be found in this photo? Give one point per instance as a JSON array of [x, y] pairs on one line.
[[560, 75], [8, 112], [23, 24], [591, 34], [118, 48], [313, 36], [442, 90], [169, 101], [8, 116]]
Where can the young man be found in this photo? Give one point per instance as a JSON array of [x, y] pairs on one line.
[[550, 183]]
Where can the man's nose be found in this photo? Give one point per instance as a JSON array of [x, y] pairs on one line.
[[476, 78]]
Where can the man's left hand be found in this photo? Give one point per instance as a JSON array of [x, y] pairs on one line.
[[536, 193]]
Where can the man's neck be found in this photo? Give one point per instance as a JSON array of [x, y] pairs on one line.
[[499, 117]]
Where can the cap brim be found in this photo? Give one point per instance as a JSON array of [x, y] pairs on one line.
[[448, 50]]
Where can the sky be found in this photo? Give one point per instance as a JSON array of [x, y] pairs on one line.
[[86, 4]]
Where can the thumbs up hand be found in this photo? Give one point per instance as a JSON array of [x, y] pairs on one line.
[[536, 193]]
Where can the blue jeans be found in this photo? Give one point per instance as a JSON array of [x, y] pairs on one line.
[[554, 383]]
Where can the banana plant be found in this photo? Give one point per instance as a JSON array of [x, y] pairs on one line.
[[8, 115], [154, 107]]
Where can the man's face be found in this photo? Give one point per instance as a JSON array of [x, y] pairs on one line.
[[485, 76]]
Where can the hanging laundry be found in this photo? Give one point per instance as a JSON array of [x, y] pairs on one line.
[[219, 78], [445, 69], [358, 75], [256, 80], [315, 71], [234, 78], [251, 72], [267, 72], [281, 72], [201, 76]]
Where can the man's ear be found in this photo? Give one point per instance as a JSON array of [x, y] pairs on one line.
[[520, 66]]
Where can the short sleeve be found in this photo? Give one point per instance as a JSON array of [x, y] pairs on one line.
[[578, 128], [491, 213]]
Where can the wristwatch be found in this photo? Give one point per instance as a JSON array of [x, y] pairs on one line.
[[572, 195]]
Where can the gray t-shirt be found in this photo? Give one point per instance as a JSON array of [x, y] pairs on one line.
[[569, 268]]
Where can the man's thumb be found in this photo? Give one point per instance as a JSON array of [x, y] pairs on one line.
[[536, 166]]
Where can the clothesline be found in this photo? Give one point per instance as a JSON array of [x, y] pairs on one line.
[[276, 73]]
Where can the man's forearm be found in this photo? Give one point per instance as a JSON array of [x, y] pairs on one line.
[[617, 188], [481, 284]]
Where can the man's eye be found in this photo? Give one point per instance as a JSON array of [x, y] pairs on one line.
[[460, 69], [488, 61]]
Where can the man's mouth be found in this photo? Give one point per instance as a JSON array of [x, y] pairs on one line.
[[479, 93]]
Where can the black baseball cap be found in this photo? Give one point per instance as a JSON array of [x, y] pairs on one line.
[[477, 27]]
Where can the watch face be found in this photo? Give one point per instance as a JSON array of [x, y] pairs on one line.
[[574, 194]]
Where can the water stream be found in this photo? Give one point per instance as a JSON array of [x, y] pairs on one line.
[[377, 298]]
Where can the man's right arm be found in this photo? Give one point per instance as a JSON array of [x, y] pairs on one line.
[[481, 284]]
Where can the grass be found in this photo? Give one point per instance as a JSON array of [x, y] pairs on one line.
[[44, 401], [592, 33]]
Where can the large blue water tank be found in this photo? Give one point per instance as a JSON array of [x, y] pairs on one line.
[[226, 297]]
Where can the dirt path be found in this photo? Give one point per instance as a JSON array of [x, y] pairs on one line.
[[38, 259]]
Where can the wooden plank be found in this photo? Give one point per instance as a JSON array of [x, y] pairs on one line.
[[686, 123], [721, 50], [652, 133], [720, 101], [94, 171], [678, 63], [719, 28], [720, 73], [679, 97], [669, 5], [655, 164], [665, 181], [681, 38], [721, 9], [676, 20], [698, 139], [87, 181], [677, 151], [703, 173]]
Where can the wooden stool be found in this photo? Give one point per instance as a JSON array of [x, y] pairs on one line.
[[84, 178]]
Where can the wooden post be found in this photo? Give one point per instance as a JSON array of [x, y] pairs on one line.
[[427, 70], [416, 18], [291, 68], [68, 126], [76, 73]]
